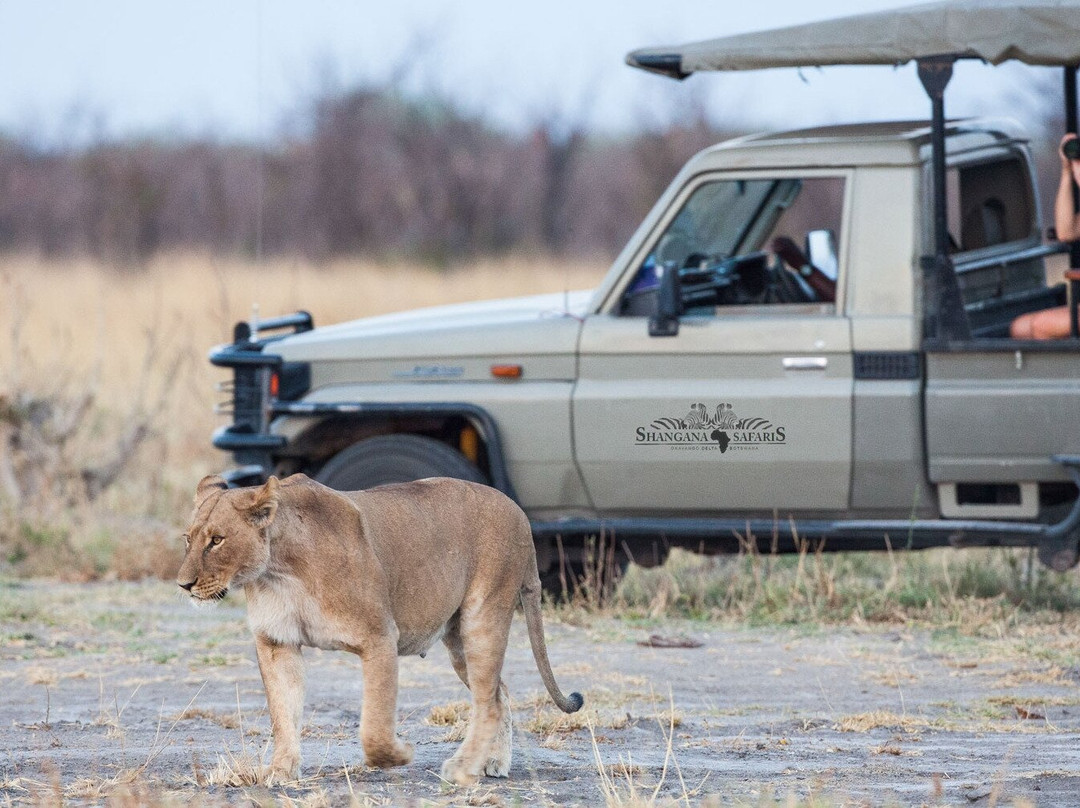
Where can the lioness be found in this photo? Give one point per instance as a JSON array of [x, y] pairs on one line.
[[382, 573]]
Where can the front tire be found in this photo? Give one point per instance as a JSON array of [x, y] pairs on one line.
[[395, 459]]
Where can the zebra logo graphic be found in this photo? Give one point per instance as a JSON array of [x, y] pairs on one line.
[[725, 417], [721, 428]]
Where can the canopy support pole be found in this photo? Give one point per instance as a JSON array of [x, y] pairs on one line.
[[1074, 247], [944, 315], [1071, 119]]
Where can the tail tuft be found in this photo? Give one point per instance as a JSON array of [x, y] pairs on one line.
[[575, 703]]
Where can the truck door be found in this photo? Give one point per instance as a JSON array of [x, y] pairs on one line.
[[749, 407]]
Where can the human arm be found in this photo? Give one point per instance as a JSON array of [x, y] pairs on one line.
[[824, 287]]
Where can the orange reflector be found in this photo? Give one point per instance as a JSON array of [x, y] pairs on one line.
[[506, 371], [275, 384], [469, 443]]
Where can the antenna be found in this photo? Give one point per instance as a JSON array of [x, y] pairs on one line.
[[260, 166], [260, 153], [566, 286], [254, 322]]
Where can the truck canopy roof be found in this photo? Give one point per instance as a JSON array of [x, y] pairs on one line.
[[885, 143], [1037, 32]]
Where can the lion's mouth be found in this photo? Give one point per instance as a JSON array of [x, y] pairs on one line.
[[213, 597]]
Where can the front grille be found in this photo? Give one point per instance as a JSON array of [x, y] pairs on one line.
[[248, 397]]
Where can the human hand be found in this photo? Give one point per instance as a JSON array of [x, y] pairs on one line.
[[1071, 153], [789, 252], [1070, 165]]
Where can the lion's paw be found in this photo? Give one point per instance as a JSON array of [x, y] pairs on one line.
[[385, 756], [285, 771], [497, 768], [456, 771], [498, 764]]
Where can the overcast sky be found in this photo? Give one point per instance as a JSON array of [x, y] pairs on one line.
[[236, 68]]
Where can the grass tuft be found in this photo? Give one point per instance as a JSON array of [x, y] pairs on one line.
[[454, 716], [880, 719]]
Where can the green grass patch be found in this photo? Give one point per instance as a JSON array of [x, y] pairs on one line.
[[957, 591]]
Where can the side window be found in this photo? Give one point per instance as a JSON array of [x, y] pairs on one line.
[[991, 215], [989, 203], [753, 241]]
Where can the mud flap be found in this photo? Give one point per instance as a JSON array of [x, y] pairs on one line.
[[1059, 554], [1059, 545]]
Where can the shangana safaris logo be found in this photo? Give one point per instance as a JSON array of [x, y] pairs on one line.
[[720, 429]]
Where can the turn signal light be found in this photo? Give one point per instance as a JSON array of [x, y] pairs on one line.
[[506, 371]]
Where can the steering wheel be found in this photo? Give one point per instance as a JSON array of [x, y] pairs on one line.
[[788, 281], [821, 287]]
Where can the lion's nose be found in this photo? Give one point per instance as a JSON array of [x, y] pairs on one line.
[[187, 586]]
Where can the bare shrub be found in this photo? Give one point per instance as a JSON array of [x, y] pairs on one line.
[[590, 584], [60, 452], [367, 169]]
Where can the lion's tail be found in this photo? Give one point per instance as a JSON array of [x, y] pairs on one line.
[[530, 603]]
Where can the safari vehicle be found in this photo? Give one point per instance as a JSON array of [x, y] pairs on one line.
[[862, 391]]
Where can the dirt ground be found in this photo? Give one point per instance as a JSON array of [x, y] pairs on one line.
[[125, 686]]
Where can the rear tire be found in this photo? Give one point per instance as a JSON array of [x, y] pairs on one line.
[[395, 459]]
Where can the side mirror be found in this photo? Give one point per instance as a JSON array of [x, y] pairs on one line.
[[821, 252], [665, 322]]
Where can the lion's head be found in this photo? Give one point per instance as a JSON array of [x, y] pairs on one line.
[[228, 542]]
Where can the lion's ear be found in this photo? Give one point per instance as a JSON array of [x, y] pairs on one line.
[[263, 508], [211, 482]]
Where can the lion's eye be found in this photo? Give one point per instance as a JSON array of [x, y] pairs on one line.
[[216, 540]]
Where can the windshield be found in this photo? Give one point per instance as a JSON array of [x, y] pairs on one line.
[[762, 226], [721, 219]]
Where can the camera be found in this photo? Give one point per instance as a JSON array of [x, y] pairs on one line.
[[1071, 148]]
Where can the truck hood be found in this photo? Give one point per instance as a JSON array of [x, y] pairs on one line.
[[538, 324]]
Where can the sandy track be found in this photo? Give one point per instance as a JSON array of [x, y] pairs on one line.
[[104, 684]]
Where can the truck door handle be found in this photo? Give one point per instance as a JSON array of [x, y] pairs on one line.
[[805, 363]]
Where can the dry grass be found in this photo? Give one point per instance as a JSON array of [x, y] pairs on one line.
[[893, 678], [1051, 675], [1032, 702], [454, 716], [134, 343], [447, 715], [129, 786], [548, 721], [235, 771], [82, 317], [621, 783], [126, 789], [881, 719], [229, 720]]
